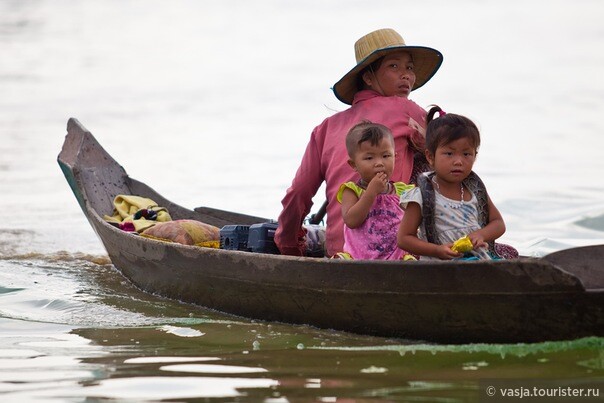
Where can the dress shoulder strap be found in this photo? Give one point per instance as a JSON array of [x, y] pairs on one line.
[[477, 187], [424, 182]]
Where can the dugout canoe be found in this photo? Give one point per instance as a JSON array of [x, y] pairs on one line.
[[558, 297]]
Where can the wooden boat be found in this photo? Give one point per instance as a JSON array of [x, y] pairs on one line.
[[558, 297]]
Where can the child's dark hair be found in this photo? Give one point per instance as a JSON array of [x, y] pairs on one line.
[[366, 131], [449, 127]]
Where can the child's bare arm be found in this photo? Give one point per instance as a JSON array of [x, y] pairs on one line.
[[493, 230], [355, 209]]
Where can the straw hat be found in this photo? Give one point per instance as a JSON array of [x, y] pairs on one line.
[[377, 44]]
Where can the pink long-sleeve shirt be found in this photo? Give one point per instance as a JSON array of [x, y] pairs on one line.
[[326, 159]]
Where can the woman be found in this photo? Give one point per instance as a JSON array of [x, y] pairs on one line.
[[377, 89]]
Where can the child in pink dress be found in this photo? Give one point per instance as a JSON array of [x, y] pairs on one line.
[[370, 207]]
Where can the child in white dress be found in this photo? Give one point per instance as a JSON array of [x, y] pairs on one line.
[[451, 202]]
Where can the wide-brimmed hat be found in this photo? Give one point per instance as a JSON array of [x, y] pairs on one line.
[[377, 44]]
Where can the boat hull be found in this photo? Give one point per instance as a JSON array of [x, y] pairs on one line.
[[521, 300]]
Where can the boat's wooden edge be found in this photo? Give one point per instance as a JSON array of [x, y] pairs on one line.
[[243, 219], [586, 263]]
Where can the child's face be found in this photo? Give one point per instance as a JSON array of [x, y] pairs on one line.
[[395, 77], [453, 162], [369, 160]]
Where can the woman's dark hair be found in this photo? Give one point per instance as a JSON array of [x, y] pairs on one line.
[[366, 131], [449, 127], [372, 67]]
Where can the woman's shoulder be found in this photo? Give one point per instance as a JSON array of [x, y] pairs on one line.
[[348, 185], [395, 102]]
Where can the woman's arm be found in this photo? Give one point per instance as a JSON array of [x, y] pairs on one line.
[[289, 235], [407, 236]]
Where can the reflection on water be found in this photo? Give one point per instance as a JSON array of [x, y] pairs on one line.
[[157, 387], [211, 369], [37, 358], [134, 363]]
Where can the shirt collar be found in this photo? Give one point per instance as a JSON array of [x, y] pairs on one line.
[[364, 95]]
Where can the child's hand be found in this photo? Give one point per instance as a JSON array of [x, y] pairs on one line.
[[477, 240], [446, 253], [378, 184]]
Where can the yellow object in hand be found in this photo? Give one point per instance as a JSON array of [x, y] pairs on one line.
[[462, 245]]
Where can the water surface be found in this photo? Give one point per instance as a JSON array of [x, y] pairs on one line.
[[180, 92]]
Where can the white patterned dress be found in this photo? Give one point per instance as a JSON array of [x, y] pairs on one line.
[[453, 219]]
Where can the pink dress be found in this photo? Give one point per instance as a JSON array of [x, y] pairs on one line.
[[376, 237]]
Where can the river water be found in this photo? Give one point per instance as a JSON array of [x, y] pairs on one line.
[[212, 103]]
